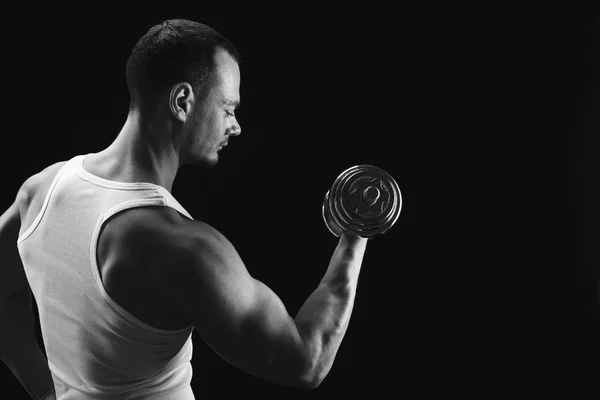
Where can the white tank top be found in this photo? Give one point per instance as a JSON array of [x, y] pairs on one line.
[[95, 348]]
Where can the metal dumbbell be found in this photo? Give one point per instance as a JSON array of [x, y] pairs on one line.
[[364, 200]]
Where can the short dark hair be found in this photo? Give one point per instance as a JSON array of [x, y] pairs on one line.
[[176, 50]]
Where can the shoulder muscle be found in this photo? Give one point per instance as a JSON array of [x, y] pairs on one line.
[[36, 182]]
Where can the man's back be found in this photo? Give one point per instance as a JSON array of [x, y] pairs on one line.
[[100, 339]]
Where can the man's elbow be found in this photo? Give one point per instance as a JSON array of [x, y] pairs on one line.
[[314, 383], [304, 369], [308, 383], [311, 377]]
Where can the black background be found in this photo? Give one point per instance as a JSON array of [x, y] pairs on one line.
[[487, 117]]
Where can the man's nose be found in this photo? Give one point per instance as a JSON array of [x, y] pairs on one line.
[[235, 130]]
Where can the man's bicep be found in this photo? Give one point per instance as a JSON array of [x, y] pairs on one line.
[[239, 317]]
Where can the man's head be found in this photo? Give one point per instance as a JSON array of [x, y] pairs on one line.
[[187, 74]]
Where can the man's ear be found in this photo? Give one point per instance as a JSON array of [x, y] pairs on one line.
[[181, 99]]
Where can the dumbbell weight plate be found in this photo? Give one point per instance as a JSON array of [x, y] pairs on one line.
[[364, 200]]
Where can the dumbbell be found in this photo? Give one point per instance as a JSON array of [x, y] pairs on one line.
[[364, 200]]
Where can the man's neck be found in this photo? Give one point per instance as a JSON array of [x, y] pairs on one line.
[[142, 158]]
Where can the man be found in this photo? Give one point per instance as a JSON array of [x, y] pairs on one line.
[[122, 274]]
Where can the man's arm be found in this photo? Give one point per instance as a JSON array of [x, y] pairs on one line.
[[324, 317], [246, 323], [19, 348]]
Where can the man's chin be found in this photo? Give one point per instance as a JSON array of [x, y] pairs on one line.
[[203, 160], [209, 162]]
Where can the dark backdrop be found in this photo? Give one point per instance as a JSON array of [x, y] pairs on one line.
[[486, 117]]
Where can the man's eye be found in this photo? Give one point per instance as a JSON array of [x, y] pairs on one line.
[[229, 113]]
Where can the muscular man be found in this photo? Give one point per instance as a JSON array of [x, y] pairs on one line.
[[122, 274]]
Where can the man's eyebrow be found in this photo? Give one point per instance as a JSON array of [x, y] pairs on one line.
[[234, 103]]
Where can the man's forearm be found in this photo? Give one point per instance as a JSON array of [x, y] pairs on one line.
[[20, 350], [324, 317]]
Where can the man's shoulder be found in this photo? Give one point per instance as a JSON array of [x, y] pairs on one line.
[[43, 177], [36, 187], [165, 244], [156, 229]]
